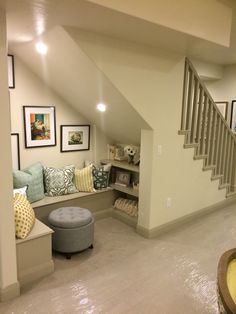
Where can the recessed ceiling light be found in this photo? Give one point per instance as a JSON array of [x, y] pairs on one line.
[[41, 48], [101, 107]]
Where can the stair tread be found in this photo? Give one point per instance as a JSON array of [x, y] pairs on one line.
[[209, 167], [229, 194], [196, 157], [216, 177], [223, 186], [191, 145], [183, 132]]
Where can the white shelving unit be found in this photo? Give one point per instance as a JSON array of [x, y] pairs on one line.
[[125, 189], [124, 165], [128, 190], [121, 164]]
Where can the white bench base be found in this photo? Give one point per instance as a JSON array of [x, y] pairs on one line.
[[34, 254], [99, 203]]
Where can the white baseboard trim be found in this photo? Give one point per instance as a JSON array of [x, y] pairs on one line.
[[101, 214], [154, 232], [10, 292], [34, 273]]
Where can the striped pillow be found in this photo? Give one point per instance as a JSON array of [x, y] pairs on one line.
[[84, 179]]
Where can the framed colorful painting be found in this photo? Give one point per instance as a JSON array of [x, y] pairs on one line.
[[75, 138], [39, 126]]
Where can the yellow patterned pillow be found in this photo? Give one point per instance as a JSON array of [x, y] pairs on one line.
[[24, 216], [84, 179]]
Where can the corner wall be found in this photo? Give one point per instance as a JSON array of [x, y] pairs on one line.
[[31, 91], [9, 286], [152, 81]]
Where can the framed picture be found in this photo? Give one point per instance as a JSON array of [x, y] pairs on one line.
[[39, 126], [223, 107], [15, 151], [233, 116], [11, 71], [75, 138], [122, 178], [111, 151]]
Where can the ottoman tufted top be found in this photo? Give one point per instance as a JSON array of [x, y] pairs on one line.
[[70, 217]]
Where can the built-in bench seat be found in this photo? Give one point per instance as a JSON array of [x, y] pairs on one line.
[[99, 203], [34, 254]]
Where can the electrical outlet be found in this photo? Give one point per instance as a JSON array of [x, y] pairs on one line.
[[168, 202], [159, 150]]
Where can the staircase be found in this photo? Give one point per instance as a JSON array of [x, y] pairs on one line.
[[207, 132]]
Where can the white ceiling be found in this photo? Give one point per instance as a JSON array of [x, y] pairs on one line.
[[74, 76], [27, 19]]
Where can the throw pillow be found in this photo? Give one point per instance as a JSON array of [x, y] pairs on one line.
[[31, 176], [84, 179], [24, 216], [130, 207], [59, 181], [100, 178], [21, 191], [106, 167]]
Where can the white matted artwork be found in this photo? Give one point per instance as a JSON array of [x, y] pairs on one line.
[[223, 108], [15, 151], [233, 116], [75, 138], [40, 126], [11, 71]]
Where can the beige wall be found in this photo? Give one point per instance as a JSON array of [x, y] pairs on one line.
[[224, 89], [31, 91], [8, 274], [152, 81], [145, 188], [182, 15], [208, 71]]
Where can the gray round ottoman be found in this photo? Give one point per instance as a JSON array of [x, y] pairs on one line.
[[73, 229]]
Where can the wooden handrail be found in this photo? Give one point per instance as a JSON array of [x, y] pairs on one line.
[[190, 65], [206, 129]]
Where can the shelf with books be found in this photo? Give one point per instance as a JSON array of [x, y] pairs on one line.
[[125, 189]]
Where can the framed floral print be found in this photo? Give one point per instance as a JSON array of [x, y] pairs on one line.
[[75, 138]]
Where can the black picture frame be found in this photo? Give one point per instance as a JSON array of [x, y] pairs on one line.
[[75, 138], [11, 71], [123, 178], [39, 126], [15, 151], [233, 116]]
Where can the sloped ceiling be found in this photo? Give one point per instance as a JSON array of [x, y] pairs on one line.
[[28, 19], [69, 71]]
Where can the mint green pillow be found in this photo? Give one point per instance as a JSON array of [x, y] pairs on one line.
[[31, 176]]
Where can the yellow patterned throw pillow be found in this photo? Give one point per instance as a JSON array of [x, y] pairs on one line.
[[24, 216], [84, 179]]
